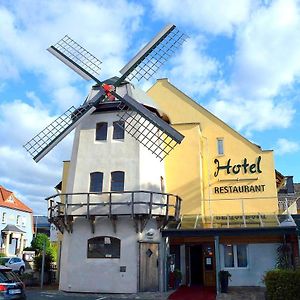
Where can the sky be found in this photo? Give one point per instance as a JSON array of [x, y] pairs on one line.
[[241, 62]]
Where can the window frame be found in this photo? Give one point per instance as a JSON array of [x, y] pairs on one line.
[[114, 242], [235, 256], [4, 216], [111, 181], [90, 185], [220, 139], [98, 139], [115, 125]]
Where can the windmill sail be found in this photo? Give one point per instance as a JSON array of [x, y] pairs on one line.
[[77, 58], [146, 127], [49, 137], [154, 54]]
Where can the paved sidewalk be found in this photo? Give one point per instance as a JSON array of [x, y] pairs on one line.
[[52, 292], [244, 293]]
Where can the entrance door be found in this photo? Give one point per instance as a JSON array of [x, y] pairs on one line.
[[148, 267], [196, 265], [201, 262], [209, 266]]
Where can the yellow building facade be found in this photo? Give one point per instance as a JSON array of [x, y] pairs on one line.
[[215, 170]]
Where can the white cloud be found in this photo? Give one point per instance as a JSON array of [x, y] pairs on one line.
[[191, 70], [214, 16], [268, 47], [285, 146]]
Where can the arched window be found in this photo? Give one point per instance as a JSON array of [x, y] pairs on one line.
[[104, 247], [119, 129], [117, 181], [96, 182], [101, 131]]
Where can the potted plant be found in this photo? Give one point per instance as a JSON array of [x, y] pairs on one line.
[[224, 278], [177, 276]]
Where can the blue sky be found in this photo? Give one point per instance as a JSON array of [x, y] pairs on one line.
[[242, 62]]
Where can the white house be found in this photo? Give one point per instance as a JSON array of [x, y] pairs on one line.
[[15, 224]]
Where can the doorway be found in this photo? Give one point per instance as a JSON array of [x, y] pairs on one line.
[[196, 265], [148, 267], [200, 263]]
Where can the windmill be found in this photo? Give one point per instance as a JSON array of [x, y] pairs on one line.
[[141, 123]]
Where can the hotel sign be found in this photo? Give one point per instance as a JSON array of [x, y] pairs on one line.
[[244, 168]]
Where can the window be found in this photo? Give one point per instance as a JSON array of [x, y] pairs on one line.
[[4, 217], [119, 130], [104, 247], [18, 220], [101, 131], [235, 256], [220, 145], [96, 182], [117, 181]]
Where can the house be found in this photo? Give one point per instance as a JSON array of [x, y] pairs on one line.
[[16, 223], [229, 212]]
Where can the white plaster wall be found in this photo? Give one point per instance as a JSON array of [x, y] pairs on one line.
[[82, 274], [11, 219], [261, 258]]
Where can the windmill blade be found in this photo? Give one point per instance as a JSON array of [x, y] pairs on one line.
[[154, 54], [49, 137], [146, 127], [77, 58]]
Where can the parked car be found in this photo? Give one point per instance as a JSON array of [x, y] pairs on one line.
[[15, 263], [11, 287]]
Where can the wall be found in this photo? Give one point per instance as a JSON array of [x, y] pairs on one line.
[[261, 258], [11, 219], [190, 167], [82, 274]]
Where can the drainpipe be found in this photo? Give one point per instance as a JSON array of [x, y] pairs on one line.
[[217, 258]]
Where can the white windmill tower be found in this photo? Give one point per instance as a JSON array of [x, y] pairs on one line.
[[115, 201]]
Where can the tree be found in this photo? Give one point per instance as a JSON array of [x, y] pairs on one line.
[[38, 242]]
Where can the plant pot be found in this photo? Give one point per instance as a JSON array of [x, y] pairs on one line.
[[224, 284]]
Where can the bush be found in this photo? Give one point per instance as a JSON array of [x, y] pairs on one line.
[[2, 255], [38, 259], [282, 284]]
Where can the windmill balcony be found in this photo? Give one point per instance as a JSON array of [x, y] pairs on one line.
[[64, 208]]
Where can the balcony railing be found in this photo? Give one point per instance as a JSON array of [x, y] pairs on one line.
[[62, 208]]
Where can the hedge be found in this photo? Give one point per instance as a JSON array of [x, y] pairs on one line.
[[283, 284]]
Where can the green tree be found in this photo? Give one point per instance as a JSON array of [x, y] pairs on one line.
[[38, 242]]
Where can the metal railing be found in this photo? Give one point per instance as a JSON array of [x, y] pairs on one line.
[[110, 204]]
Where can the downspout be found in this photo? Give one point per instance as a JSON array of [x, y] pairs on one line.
[[208, 177]]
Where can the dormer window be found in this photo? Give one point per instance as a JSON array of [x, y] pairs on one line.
[[10, 199]]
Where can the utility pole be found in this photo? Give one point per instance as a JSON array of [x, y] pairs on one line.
[[43, 263]]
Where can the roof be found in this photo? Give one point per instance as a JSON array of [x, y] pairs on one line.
[[41, 221], [12, 228], [196, 225], [9, 200]]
